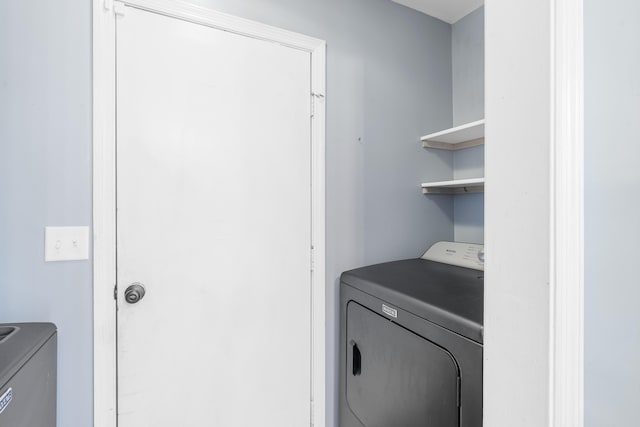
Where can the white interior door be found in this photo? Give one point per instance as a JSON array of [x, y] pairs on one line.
[[214, 219]]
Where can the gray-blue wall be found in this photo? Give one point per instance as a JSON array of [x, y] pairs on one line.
[[388, 82], [467, 47], [612, 212], [45, 179]]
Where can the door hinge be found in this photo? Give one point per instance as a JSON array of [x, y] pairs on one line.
[[118, 8], [312, 259], [115, 292], [312, 413], [314, 96], [313, 106]]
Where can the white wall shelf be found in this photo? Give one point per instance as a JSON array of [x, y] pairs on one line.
[[457, 186], [457, 138]]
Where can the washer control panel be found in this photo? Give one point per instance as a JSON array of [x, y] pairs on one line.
[[468, 255]]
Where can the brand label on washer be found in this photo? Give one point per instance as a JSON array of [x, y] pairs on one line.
[[5, 399], [389, 311]]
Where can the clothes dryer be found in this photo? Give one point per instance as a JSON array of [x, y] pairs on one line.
[[411, 340], [28, 374]]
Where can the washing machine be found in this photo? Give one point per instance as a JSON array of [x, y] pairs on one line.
[[411, 335]]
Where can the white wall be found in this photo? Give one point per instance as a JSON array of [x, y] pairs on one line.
[[517, 194], [612, 212], [389, 82]]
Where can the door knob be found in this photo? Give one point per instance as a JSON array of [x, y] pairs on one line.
[[134, 293]]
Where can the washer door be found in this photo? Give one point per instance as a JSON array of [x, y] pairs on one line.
[[395, 377]]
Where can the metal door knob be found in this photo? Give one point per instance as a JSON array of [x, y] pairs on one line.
[[134, 293]]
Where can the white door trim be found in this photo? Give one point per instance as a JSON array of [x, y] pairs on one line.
[[534, 279], [104, 189], [566, 397]]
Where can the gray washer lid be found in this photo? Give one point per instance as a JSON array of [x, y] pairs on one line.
[[18, 343], [447, 295]]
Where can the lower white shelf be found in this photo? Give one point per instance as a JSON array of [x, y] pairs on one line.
[[457, 186]]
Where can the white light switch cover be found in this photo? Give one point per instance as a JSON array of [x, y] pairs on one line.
[[66, 243]]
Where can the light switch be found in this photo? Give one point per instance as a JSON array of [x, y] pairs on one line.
[[66, 243]]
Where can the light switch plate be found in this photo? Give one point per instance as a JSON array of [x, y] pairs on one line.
[[66, 243]]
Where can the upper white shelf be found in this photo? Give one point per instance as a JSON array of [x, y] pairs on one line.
[[457, 186], [457, 138]]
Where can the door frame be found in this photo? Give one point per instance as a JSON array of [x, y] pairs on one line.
[[105, 13]]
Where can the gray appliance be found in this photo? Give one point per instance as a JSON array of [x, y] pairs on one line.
[[411, 339], [28, 374]]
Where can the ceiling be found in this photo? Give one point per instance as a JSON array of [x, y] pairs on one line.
[[447, 10]]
